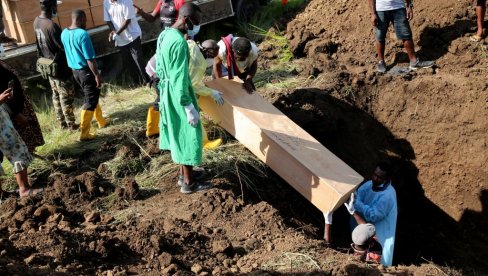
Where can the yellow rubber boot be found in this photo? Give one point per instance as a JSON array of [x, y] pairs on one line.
[[152, 122], [207, 144], [85, 126], [99, 117]]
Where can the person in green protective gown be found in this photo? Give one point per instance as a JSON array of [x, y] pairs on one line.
[[180, 127]]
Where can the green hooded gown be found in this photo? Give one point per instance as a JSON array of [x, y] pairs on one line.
[[176, 135]]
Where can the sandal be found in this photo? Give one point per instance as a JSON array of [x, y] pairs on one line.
[[39, 192], [476, 38]]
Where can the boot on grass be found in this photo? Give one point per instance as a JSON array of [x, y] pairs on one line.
[[102, 122], [152, 122], [86, 118]]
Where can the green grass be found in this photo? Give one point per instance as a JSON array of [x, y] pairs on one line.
[[275, 39], [269, 15], [64, 143], [232, 161], [127, 108], [61, 145]]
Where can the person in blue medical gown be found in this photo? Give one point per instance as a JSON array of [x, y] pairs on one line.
[[375, 202]]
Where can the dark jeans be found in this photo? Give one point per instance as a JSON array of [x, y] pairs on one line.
[[86, 80], [400, 22], [132, 54]]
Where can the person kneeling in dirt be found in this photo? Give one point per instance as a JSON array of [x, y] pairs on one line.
[[14, 148], [384, 12], [375, 202], [365, 243], [239, 56], [81, 59], [197, 67], [180, 127]]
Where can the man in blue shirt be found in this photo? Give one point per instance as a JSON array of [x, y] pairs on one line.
[[375, 202], [81, 59]]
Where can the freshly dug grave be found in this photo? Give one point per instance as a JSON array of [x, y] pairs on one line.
[[91, 222], [431, 124]]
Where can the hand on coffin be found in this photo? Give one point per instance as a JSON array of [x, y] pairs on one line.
[[350, 205], [248, 85], [328, 217], [217, 96]]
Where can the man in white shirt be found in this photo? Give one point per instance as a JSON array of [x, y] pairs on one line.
[[384, 12], [126, 33], [241, 62]]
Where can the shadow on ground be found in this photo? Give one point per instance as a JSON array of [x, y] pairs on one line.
[[424, 231]]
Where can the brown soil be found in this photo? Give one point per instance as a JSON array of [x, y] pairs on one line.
[[94, 219], [91, 223], [431, 124]]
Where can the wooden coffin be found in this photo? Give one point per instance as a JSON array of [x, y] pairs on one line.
[[23, 32], [21, 11], [64, 18], [20, 15], [315, 172]]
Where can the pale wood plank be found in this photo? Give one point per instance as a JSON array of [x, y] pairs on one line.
[[309, 167]]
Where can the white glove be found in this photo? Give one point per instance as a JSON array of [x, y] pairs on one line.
[[116, 39], [350, 205], [217, 96], [192, 115], [328, 217]]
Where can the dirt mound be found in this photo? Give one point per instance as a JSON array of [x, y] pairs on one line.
[[431, 124], [98, 224]]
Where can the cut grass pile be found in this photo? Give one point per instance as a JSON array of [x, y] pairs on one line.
[[127, 109]]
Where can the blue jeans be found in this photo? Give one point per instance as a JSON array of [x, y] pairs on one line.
[[399, 19]]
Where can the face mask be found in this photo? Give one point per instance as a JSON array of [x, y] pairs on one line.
[[194, 32]]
